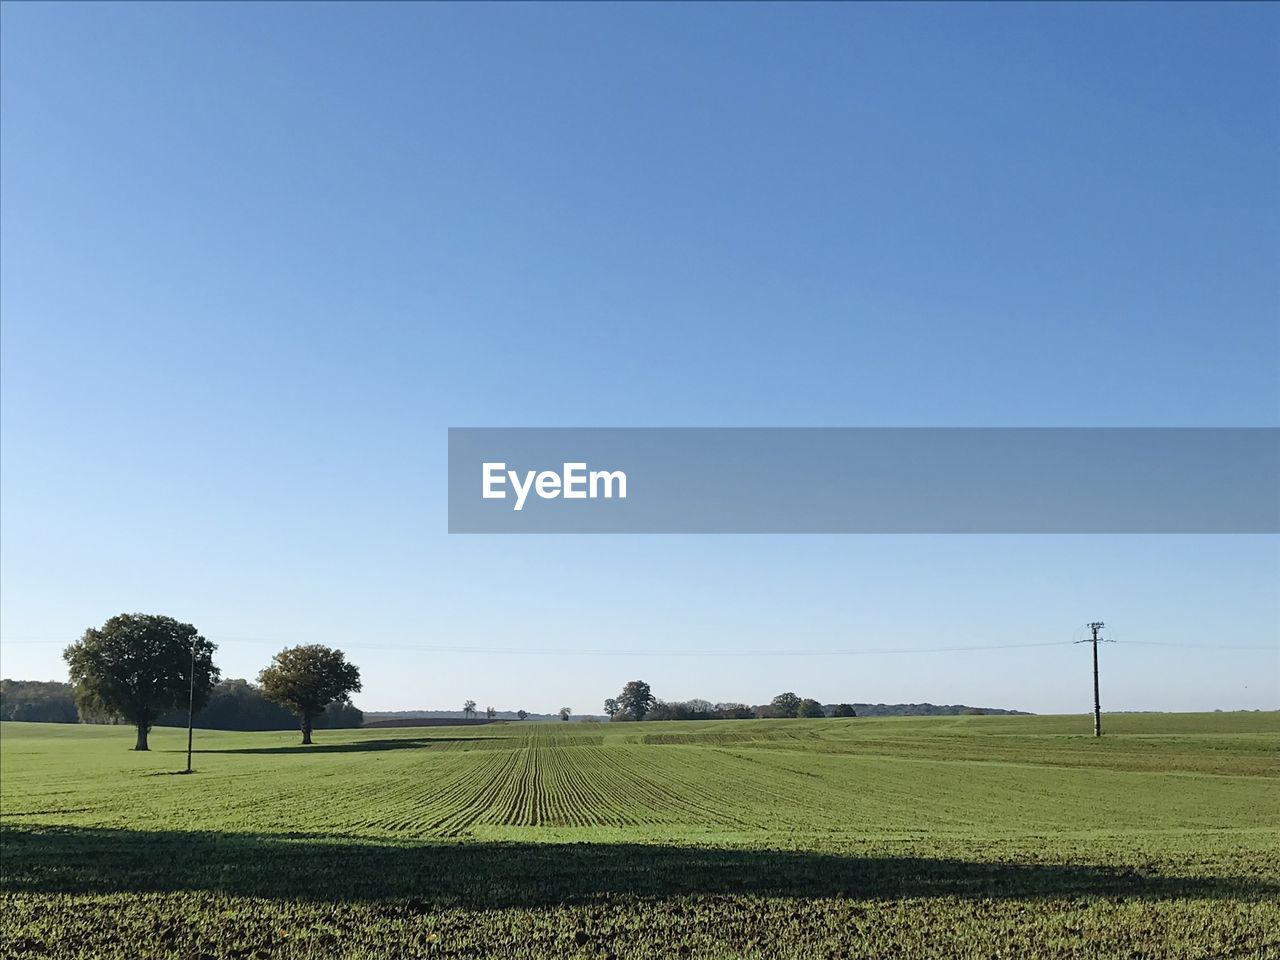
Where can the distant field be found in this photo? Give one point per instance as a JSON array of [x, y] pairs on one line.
[[894, 837]]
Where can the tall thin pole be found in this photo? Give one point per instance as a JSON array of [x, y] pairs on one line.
[[1097, 705], [191, 702]]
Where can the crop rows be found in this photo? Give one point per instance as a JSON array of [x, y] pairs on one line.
[[751, 839]]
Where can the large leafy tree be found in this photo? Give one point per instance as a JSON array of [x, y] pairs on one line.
[[307, 679], [136, 666], [636, 699], [786, 705]]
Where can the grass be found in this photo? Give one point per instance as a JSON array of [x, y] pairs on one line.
[[896, 837]]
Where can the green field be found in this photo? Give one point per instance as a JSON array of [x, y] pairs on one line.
[[931, 837]]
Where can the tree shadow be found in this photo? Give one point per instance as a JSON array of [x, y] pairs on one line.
[[418, 876], [360, 746]]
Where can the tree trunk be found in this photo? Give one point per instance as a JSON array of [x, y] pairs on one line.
[[306, 729], [142, 737]]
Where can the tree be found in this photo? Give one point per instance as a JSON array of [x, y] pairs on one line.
[[490, 713], [786, 705], [308, 678], [844, 710], [611, 707], [469, 708], [636, 699], [137, 666], [522, 714], [565, 713], [811, 708]]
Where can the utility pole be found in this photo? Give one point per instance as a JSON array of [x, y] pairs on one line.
[[191, 702], [1097, 705]]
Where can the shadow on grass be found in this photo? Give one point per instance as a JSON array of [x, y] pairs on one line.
[[360, 746], [428, 875]]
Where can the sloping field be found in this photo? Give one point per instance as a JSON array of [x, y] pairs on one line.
[[947, 836]]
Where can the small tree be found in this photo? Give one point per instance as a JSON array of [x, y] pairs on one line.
[[490, 713], [565, 713], [811, 708], [786, 705], [611, 707], [844, 710], [307, 679], [636, 700], [522, 714], [137, 666], [469, 708]]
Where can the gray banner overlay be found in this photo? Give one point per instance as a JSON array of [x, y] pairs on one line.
[[864, 480]]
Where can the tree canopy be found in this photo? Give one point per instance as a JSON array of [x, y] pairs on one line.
[[136, 666], [308, 678], [811, 708], [635, 700], [786, 705]]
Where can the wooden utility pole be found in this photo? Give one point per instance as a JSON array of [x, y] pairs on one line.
[[191, 702], [1097, 705]]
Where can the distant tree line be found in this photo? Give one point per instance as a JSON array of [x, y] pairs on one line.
[[233, 705], [36, 701], [637, 702], [698, 710], [148, 670], [241, 705], [933, 710], [490, 713]]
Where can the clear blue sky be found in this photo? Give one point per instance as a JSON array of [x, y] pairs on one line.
[[257, 260]]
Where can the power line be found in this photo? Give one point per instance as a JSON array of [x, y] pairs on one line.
[[551, 651]]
